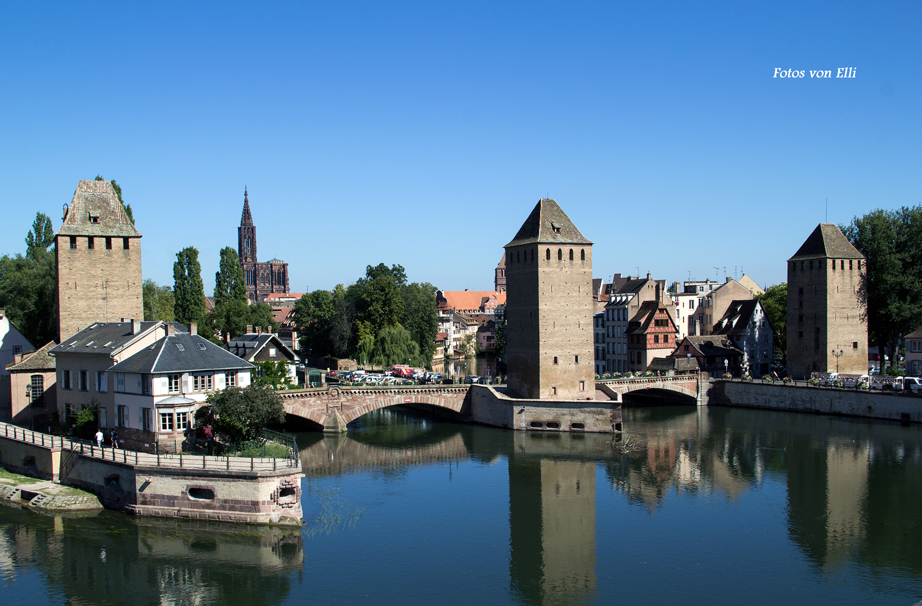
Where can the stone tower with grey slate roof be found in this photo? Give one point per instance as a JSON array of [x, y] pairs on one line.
[[98, 254], [549, 331], [827, 311]]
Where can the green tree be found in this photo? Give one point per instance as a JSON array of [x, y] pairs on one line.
[[158, 302], [230, 312], [420, 317], [188, 289], [40, 238], [272, 374], [341, 328], [775, 303], [260, 314], [892, 288], [315, 316], [395, 345], [28, 285], [241, 414], [118, 192]]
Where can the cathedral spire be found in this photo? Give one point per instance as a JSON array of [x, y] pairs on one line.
[[246, 219]]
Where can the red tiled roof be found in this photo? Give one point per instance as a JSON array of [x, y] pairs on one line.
[[469, 299]]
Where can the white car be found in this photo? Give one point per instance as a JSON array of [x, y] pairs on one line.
[[852, 381]]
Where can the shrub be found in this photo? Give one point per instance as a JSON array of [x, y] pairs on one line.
[[727, 375], [814, 382], [768, 378]]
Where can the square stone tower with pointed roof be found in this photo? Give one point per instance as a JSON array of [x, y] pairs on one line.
[[98, 259], [549, 311], [827, 312]]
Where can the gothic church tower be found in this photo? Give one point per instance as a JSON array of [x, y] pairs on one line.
[[261, 279], [549, 332], [98, 254]]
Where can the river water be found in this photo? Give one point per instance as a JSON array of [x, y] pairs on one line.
[[692, 506]]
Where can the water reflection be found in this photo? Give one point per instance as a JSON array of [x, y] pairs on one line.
[[111, 559]]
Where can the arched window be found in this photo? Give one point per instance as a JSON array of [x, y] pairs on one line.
[[571, 254], [559, 255], [548, 254], [582, 255]]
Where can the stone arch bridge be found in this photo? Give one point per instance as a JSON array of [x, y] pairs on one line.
[[332, 408]]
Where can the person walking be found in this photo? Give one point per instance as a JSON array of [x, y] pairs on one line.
[[99, 438], [114, 437]]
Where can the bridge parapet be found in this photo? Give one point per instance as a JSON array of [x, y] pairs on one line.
[[687, 385]]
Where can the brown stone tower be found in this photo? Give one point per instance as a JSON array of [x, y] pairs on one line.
[[826, 308], [499, 277], [98, 261], [549, 308], [262, 279]]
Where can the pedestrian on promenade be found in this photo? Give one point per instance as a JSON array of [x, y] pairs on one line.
[[114, 437], [99, 438]]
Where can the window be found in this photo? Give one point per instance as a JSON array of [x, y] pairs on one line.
[[147, 419], [582, 386], [855, 345], [37, 390], [182, 421], [166, 421], [66, 380], [89, 242], [108, 243], [73, 241], [101, 386], [571, 254], [230, 379], [145, 385], [271, 352], [120, 382], [123, 416], [559, 255], [656, 338], [849, 264], [576, 359], [547, 254], [555, 359], [833, 265], [665, 338], [174, 383], [582, 255], [916, 345], [83, 381], [202, 382], [124, 243]]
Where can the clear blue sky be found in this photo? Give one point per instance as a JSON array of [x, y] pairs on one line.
[[424, 133]]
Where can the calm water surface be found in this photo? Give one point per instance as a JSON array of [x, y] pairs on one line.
[[709, 506]]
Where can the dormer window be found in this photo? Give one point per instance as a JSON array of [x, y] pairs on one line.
[[555, 227], [94, 218]]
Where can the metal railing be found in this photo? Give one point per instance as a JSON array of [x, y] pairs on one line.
[[143, 459]]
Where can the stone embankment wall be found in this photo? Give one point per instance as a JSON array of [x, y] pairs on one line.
[[846, 402], [490, 407], [257, 491]]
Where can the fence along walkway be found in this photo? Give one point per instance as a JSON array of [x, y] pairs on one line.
[[143, 459]]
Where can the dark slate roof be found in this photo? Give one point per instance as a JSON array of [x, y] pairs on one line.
[[916, 334], [827, 241], [645, 315], [502, 262], [39, 359], [102, 338], [181, 352], [737, 316], [548, 224], [248, 345], [711, 345], [97, 200]]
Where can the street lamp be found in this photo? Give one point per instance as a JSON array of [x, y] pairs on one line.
[[837, 356]]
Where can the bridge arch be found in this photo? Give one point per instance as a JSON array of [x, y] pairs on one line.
[[616, 389]]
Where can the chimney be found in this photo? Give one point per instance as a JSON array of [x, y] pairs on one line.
[[135, 326], [170, 329], [193, 328], [249, 328], [649, 276], [259, 330]]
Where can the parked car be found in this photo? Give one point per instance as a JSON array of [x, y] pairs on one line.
[[828, 379], [912, 384], [852, 381], [485, 381], [470, 379]]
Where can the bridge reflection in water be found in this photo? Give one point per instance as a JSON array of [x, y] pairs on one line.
[[829, 466]]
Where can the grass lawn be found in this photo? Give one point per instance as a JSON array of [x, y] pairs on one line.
[[14, 479]]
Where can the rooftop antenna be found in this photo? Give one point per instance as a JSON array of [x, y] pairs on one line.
[[717, 273]]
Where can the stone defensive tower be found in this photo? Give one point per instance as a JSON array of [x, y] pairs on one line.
[[98, 254], [826, 306], [549, 308]]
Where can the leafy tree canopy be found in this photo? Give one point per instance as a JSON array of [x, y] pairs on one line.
[[775, 303], [230, 312], [892, 289], [158, 302], [188, 289], [260, 314], [241, 413], [28, 285]]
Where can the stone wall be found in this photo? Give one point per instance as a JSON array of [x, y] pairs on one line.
[[870, 405], [29, 459], [490, 407]]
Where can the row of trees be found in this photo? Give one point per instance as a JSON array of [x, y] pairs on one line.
[[380, 319], [185, 302]]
